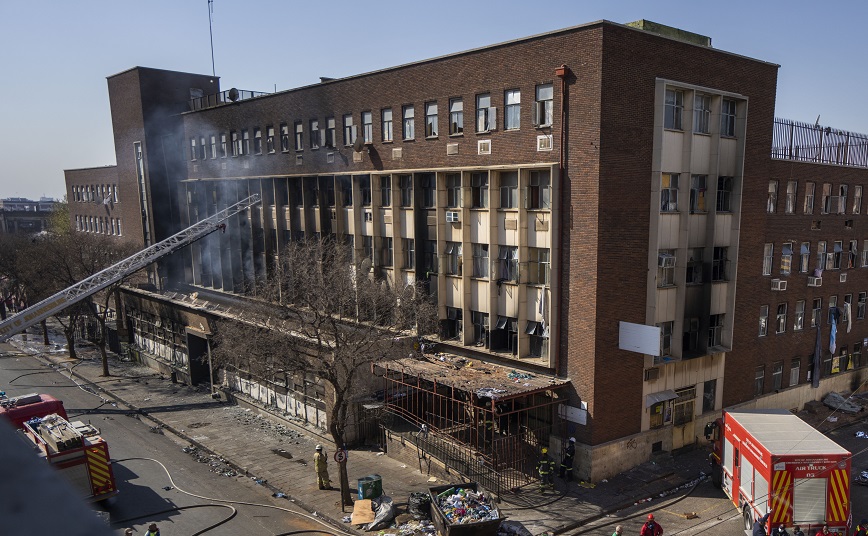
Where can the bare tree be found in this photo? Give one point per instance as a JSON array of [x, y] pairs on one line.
[[324, 315]]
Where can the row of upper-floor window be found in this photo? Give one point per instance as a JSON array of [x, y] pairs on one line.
[[831, 364], [835, 314], [95, 193], [833, 200], [502, 337], [471, 190], [674, 113], [714, 334], [98, 224], [697, 202], [238, 142], [533, 269], [841, 255], [695, 273]]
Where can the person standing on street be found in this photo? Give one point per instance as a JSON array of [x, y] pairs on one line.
[[797, 531], [861, 528], [759, 526], [651, 527], [824, 531], [321, 466], [546, 469], [618, 530], [567, 464], [153, 530]]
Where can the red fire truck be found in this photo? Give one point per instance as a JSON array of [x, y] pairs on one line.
[[73, 448], [772, 460]]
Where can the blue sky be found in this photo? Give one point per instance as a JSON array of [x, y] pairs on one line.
[[55, 55]]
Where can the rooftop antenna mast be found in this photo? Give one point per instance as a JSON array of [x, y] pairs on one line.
[[211, 32]]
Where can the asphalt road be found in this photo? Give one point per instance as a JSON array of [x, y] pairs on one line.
[[158, 480]]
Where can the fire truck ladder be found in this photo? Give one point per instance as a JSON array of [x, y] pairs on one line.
[[100, 280]]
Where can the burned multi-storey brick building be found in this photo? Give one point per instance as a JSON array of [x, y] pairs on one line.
[[593, 208]]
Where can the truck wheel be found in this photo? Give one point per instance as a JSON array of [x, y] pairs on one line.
[[748, 518], [717, 475]]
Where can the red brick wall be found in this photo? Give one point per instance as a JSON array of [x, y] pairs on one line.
[[754, 289]]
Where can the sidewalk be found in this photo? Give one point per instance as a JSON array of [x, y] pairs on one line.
[[262, 445]]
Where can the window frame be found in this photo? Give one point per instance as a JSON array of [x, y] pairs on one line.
[[673, 102], [544, 106], [456, 116], [431, 120], [792, 192], [539, 266], [772, 200], [724, 193], [367, 127], [799, 316], [386, 125], [453, 190], [728, 115], [698, 193], [701, 113], [763, 321], [781, 319], [479, 189], [408, 122], [481, 262], [508, 190], [669, 192], [484, 113], [512, 109], [810, 191]]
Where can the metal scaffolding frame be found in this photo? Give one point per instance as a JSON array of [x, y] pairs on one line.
[[494, 441]]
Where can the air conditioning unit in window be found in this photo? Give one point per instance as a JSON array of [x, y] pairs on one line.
[[666, 261], [652, 373], [452, 217], [815, 281], [778, 284], [843, 277], [483, 146]]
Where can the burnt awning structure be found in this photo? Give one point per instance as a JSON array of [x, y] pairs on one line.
[[480, 414], [483, 379]]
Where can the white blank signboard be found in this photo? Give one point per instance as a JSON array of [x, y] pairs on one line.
[[639, 338]]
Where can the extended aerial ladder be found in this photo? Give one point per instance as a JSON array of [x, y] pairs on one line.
[[100, 280]]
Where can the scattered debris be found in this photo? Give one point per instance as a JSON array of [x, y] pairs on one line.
[[836, 401], [168, 488], [217, 464], [279, 495], [282, 453]]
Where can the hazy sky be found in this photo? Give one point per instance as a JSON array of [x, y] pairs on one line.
[[55, 55]]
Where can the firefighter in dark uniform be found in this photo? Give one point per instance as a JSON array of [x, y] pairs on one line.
[[567, 463]]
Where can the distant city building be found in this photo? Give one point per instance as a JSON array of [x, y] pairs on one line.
[[610, 214], [22, 215]]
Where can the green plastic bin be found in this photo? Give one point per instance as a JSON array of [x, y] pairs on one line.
[[370, 487]]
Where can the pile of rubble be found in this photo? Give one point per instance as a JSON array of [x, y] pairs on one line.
[[217, 464]]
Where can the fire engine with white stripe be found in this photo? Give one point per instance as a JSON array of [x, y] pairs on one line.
[[771, 460], [74, 448]]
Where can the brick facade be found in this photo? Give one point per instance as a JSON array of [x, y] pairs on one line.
[[602, 233]]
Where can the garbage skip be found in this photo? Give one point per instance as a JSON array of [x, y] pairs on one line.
[[370, 487], [488, 517]]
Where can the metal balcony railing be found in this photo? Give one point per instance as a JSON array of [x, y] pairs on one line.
[[804, 142], [224, 97]]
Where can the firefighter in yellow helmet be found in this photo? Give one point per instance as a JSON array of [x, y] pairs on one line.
[[321, 466], [546, 469]]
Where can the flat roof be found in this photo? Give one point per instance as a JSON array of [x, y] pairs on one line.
[[785, 434]]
